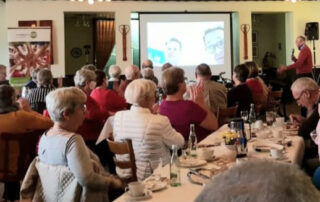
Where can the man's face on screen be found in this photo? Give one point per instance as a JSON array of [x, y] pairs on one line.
[[173, 51], [214, 43]]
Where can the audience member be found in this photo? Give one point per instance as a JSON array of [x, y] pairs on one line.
[[131, 72], [108, 100], [258, 88], [149, 64], [114, 72], [33, 82], [260, 181], [215, 94], [93, 123], [305, 91], [182, 113], [166, 66], [240, 94], [64, 157], [16, 118], [151, 134], [147, 73], [37, 96], [91, 67], [3, 75]]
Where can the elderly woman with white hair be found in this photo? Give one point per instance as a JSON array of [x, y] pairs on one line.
[[151, 134], [95, 116], [61, 146]]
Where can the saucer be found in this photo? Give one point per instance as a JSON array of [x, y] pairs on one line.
[[147, 195], [154, 185]]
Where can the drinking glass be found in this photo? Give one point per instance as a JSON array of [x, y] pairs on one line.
[[270, 117], [244, 115]]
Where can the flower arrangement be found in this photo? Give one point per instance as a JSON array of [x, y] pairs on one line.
[[229, 137]]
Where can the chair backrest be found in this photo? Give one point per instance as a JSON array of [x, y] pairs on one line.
[[16, 153], [226, 113], [124, 147], [274, 100]]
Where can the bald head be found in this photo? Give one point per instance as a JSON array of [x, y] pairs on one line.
[[147, 63], [132, 72]]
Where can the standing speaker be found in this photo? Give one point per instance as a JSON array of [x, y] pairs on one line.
[[312, 31]]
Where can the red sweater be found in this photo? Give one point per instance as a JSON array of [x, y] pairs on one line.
[[93, 123], [304, 62], [108, 100], [255, 87]]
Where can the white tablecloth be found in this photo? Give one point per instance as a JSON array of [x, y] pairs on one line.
[[188, 191]]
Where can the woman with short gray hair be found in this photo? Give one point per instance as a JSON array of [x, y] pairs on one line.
[[60, 146], [94, 119], [37, 96], [151, 134]]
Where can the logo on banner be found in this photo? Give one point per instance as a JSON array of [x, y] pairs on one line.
[[33, 34]]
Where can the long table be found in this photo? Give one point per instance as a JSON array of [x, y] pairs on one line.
[[189, 191]]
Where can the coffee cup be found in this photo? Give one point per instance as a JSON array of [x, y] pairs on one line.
[[258, 124], [204, 153], [280, 121], [135, 189], [276, 153], [277, 133]]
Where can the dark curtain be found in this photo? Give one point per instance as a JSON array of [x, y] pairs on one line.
[[104, 41]]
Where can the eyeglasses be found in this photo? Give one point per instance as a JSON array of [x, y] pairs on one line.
[[83, 107], [300, 96]]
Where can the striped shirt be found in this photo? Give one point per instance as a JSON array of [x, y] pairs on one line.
[[37, 98], [152, 136]]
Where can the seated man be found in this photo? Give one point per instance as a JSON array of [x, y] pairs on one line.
[[260, 181], [149, 64], [215, 94], [306, 93], [240, 94], [131, 72]]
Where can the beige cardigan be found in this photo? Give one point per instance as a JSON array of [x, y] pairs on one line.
[[47, 183]]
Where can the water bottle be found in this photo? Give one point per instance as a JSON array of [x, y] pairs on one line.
[[241, 142], [252, 114], [174, 168], [192, 142]]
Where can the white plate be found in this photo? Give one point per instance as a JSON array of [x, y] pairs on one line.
[[191, 162], [154, 185], [147, 195], [266, 146]]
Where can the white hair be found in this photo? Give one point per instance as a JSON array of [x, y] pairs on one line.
[[132, 72], [260, 181], [63, 99], [304, 83], [114, 71], [91, 67], [140, 91], [82, 76]]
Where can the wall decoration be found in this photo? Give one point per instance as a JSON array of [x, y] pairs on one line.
[[76, 52], [29, 48]]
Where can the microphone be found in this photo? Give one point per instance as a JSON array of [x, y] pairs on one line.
[[292, 53]]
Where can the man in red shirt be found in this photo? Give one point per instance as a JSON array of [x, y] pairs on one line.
[[303, 64]]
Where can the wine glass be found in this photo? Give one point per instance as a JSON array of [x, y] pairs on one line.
[[244, 115]]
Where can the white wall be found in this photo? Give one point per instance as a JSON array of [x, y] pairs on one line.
[[3, 36], [54, 10]]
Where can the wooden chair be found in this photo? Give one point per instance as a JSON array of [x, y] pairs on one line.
[[224, 114], [274, 101], [121, 148], [16, 153]]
